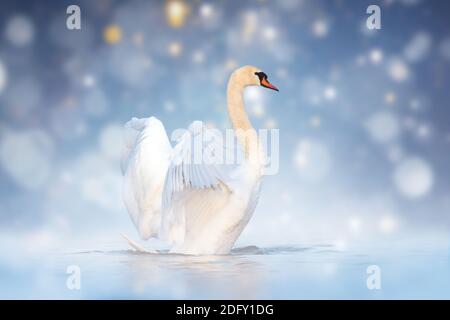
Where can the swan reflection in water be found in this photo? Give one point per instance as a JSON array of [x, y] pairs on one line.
[[242, 274], [183, 276]]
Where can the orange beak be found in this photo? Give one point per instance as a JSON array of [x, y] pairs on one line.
[[267, 84]]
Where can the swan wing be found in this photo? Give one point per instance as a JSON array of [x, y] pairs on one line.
[[144, 163], [196, 183]]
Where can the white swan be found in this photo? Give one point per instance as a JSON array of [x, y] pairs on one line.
[[198, 207]]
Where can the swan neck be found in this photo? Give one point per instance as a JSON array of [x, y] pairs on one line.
[[242, 126], [238, 115]]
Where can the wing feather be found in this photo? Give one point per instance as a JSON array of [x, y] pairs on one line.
[[195, 193], [145, 163]]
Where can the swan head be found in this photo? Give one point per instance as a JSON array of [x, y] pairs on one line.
[[253, 76]]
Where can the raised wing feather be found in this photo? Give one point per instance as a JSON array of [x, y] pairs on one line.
[[131, 131], [145, 164]]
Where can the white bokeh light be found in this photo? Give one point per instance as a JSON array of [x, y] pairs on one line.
[[99, 181], [418, 48], [253, 94], [383, 126], [134, 68], [315, 121], [175, 49], [289, 5], [95, 103], [424, 131], [413, 177], [360, 60], [341, 245], [410, 2], [388, 224], [17, 101], [206, 10], [354, 224], [269, 33], [249, 37], [329, 93], [211, 15], [110, 140], [198, 57], [26, 157], [390, 97], [312, 160], [320, 28], [258, 110], [270, 123], [398, 70], [169, 106], [3, 77], [67, 123], [248, 27], [312, 91], [19, 31], [88, 80], [394, 153], [444, 48], [376, 56]]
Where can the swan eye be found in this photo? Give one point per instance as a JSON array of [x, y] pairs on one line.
[[261, 75]]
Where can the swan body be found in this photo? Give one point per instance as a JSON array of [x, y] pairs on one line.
[[185, 195]]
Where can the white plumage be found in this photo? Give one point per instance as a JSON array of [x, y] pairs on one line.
[[145, 164], [186, 195]]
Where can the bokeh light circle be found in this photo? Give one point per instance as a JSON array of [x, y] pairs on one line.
[[398, 70], [383, 127], [112, 34], [19, 31], [26, 157], [3, 76], [23, 95], [110, 140], [419, 47], [312, 160], [413, 177], [444, 48]]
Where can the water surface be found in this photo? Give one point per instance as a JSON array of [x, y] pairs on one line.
[[319, 271]]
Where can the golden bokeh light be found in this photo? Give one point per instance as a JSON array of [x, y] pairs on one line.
[[112, 34], [176, 13]]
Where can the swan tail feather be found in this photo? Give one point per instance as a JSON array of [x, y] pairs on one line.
[[136, 246]]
